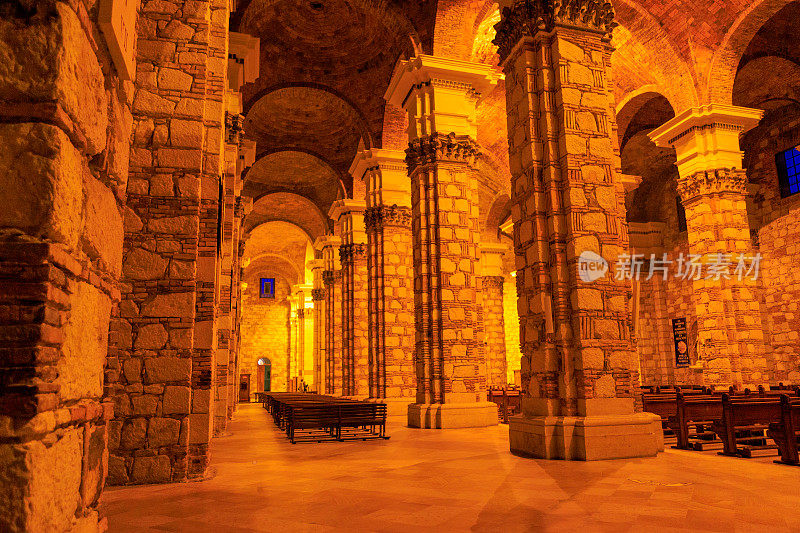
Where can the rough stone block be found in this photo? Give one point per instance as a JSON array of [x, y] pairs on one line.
[[167, 369], [151, 469], [53, 61], [177, 400], [163, 432], [85, 345]]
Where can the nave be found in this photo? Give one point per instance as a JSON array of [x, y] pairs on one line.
[[455, 480]]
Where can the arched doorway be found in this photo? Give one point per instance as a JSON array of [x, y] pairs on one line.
[[265, 374]]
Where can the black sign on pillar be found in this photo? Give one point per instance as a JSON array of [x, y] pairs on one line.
[[681, 343]]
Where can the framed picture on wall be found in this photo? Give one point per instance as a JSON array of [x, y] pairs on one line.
[[268, 287]]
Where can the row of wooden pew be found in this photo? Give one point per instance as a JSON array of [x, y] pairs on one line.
[[507, 400], [701, 419], [316, 417]]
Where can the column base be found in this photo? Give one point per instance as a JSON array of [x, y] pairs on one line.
[[452, 415], [588, 438], [395, 406]]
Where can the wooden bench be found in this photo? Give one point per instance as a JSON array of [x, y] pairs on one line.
[[508, 402], [313, 417], [362, 420], [743, 421], [695, 412], [786, 432]]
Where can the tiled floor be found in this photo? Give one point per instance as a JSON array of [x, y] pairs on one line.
[[454, 480]]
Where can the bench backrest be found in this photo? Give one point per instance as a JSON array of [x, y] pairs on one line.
[[741, 411], [700, 407]]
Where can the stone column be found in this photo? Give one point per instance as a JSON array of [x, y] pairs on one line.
[[65, 124], [332, 279], [163, 424], [242, 67], [305, 320], [494, 332], [241, 208], [439, 96], [390, 266], [349, 215], [317, 266], [294, 342], [579, 369], [712, 187]]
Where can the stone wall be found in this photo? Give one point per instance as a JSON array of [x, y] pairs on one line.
[[780, 280], [511, 326], [265, 332], [494, 330], [64, 127]]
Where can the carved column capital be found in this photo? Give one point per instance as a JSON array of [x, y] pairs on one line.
[[350, 252], [710, 182], [318, 294], [329, 277], [379, 217], [493, 282], [438, 147], [526, 18]]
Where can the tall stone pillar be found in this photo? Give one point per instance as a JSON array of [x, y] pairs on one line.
[[317, 267], [304, 359], [390, 266], [579, 369], [332, 280], [294, 343], [349, 215], [439, 96], [712, 187], [65, 124], [163, 424], [241, 208], [494, 331], [242, 67]]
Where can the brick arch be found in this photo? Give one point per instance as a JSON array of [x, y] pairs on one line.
[[363, 125], [267, 263], [653, 49], [647, 99], [278, 238], [287, 207], [498, 212], [725, 63], [308, 173]]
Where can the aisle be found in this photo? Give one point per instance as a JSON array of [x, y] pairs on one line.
[[453, 480]]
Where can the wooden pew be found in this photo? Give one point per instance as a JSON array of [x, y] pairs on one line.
[[743, 422], [786, 432], [362, 420], [694, 411], [663, 405]]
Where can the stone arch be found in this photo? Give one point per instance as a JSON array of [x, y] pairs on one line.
[[498, 212], [646, 101], [287, 207], [362, 123], [725, 63], [267, 262], [278, 239], [295, 170]]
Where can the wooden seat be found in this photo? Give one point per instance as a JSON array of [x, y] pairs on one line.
[[694, 415], [786, 432], [314, 417], [743, 422]]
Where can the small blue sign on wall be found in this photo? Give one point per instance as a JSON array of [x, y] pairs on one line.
[[268, 287]]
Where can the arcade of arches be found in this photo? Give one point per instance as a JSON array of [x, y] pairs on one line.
[[386, 199]]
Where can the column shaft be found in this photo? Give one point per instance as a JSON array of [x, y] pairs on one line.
[[494, 330], [578, 361]]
